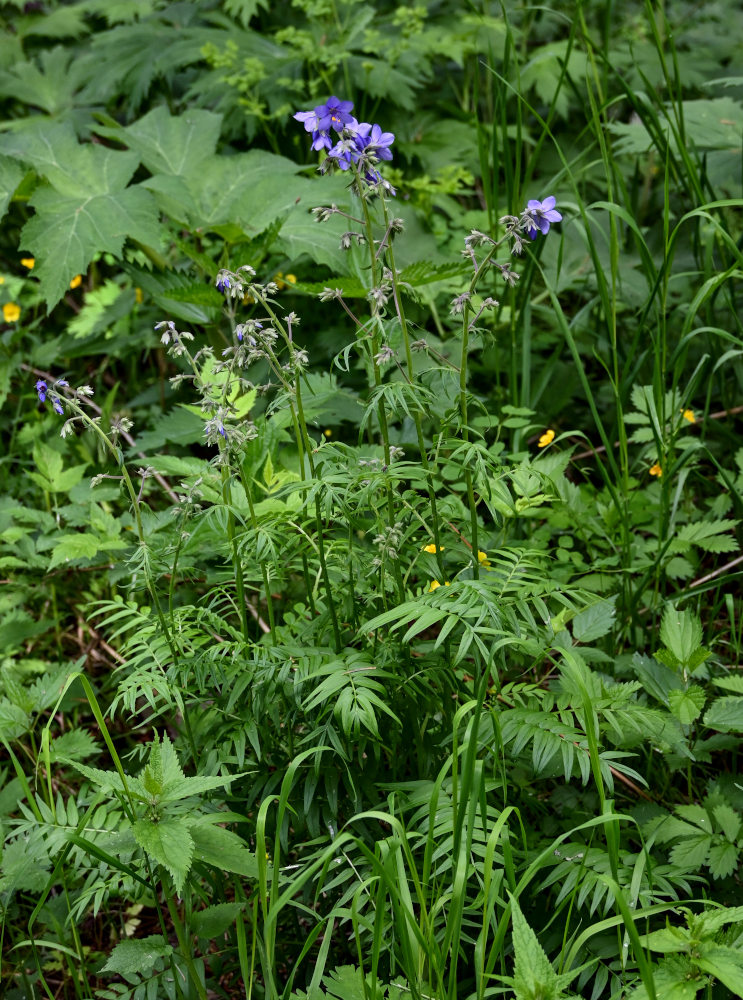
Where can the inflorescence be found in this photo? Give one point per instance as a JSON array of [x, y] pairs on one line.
[[359, 144]]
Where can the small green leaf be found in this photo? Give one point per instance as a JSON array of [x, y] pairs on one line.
[[169, 843], [687, 705], [137, 957], [594, 622], [725, 715], [214, 920], [681, 632], [728, 819], [723, 859]]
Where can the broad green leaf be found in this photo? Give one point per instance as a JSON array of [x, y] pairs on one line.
[[687, 705], [137, 957], [223, 849], [11, 175], [214, 920], [75, 546], [85, 209], [169, 843], [674, 979], [725, 715], [171, 144], [681, 632], [725, 964], [691, 852], [667, 939], [594, 622]]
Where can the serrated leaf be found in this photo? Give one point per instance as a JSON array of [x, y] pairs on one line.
[[687, 705], [75, 744], [137, 956], [728, 819], [214, 920], [171, 144], [691, 852], [681, 632], [732, 683], [85, 209], [223, 849], [725, 964], [725, 715], [72, 547], [169, 843], [594, 622], [533, 975], [723, 860]]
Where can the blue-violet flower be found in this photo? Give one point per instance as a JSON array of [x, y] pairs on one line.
[[538, 215], [41, 389]]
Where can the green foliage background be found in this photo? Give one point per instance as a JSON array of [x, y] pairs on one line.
[[247, 747]]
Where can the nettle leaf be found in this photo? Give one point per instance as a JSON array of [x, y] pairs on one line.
[[725, 715], [595, 621], [85, 208], [169, 843], [223, 849], [687, 705], [137, 957], [533, 972], [214, 920], [681, 632]]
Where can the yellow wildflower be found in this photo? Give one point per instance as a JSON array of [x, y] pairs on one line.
[[328, 433], [435, 585], [28, 262], [689, 415], [547, 438], [138, 296], [282, 280], [76, 281], [656, 470], [11, 312], [482, 558], [431, 549]]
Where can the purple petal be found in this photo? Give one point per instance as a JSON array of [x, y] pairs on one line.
[[548, 203], [534, 206]]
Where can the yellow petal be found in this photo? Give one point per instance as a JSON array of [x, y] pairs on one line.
[[689, 415], [432, 548], [327, 432], [482, 558], [655, 470], [28, 262], [76, 281], [11, 312], [547, 438], [434, 586]]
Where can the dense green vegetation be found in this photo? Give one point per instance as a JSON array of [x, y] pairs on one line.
[[369, 537]]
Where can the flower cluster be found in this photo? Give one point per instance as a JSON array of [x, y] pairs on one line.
[[43, 391], [359, 144]]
